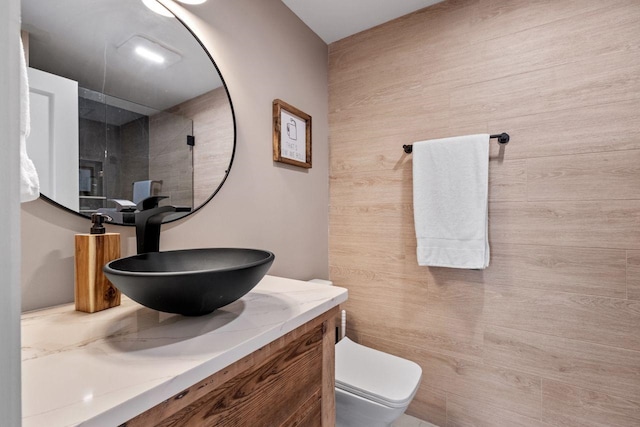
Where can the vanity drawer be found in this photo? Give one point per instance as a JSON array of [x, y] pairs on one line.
[[288, 382]]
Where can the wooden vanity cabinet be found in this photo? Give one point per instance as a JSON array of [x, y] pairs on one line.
[[289, 382]]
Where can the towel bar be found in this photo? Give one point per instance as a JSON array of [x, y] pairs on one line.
[[503, 138]]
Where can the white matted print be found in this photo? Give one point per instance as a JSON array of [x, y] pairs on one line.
[[293, 145], [291, 135]]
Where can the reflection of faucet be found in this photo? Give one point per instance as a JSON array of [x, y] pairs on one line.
[[148, 224]]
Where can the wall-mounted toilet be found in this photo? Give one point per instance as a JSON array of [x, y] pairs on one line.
[[373, 388]]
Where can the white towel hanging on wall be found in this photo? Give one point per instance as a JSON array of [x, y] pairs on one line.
[[450, 201], [29, 182]]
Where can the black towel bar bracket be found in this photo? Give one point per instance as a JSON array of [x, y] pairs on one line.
[[503, 138]]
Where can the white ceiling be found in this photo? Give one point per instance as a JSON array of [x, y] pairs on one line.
[[87, 41], [336, 19]]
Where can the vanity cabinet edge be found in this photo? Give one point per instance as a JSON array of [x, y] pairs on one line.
[[288, 382]]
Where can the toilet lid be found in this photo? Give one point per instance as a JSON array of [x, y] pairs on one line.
[[374, 375]]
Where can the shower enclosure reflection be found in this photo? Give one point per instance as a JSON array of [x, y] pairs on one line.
[[128, 152]]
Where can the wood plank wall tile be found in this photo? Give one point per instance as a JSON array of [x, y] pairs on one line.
[[498, 18], [463, 412], [562, 41], [380, 289], [508, 180], [377, 253], [431, 402], [608, 321], [396, 304], [591, 129], [611, 78], [553, 43], [374, 154], [586, 271], [381, 255], [352, 57], [592, 224], [370, 119], [356, 188], [593, 366], [611, 175], [387, 220], [633, 275], [493, 385], [570, 406], [448, 336], [549, 334], [457, 299]]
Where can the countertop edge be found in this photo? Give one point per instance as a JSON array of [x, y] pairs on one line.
[[300, 305], [147, 400]]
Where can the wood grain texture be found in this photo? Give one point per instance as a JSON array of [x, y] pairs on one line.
[[327, 415], [633, 275], [375, 253], [497, 18], [609, 321], [570, 406], [583, 31], [611, 175], [463, 412], [577, 270], [385, 220], [563, 79], [357, 188], [430, 405], [596, 367], [611, 78], [588, 224], [507, 180], [580, 130], [381, 155], [490, 384], [93, 291], [397, 316], [281, 384], [309, 414]]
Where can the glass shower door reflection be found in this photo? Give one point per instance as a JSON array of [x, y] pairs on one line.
[[171, 158]]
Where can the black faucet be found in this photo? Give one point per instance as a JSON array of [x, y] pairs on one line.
[[148, 222]]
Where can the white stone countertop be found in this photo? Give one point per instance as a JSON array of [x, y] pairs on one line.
[[104, 368]]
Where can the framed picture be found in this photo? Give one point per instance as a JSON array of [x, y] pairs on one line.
[[291, 135]]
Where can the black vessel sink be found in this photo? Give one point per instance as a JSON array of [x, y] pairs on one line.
[[190, 282]]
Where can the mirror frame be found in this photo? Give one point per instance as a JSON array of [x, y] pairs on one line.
[[233, 151]]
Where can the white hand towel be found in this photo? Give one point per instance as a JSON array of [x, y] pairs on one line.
[[29, 182], [450, 201]]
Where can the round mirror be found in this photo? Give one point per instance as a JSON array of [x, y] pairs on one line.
[[126, 107]]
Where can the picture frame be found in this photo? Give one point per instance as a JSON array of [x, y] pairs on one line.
[[291, 135]]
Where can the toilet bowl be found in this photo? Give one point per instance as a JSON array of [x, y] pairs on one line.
[[373, 388]]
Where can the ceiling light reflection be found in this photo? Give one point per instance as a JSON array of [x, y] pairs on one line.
[[157, 8], [149, 55]]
